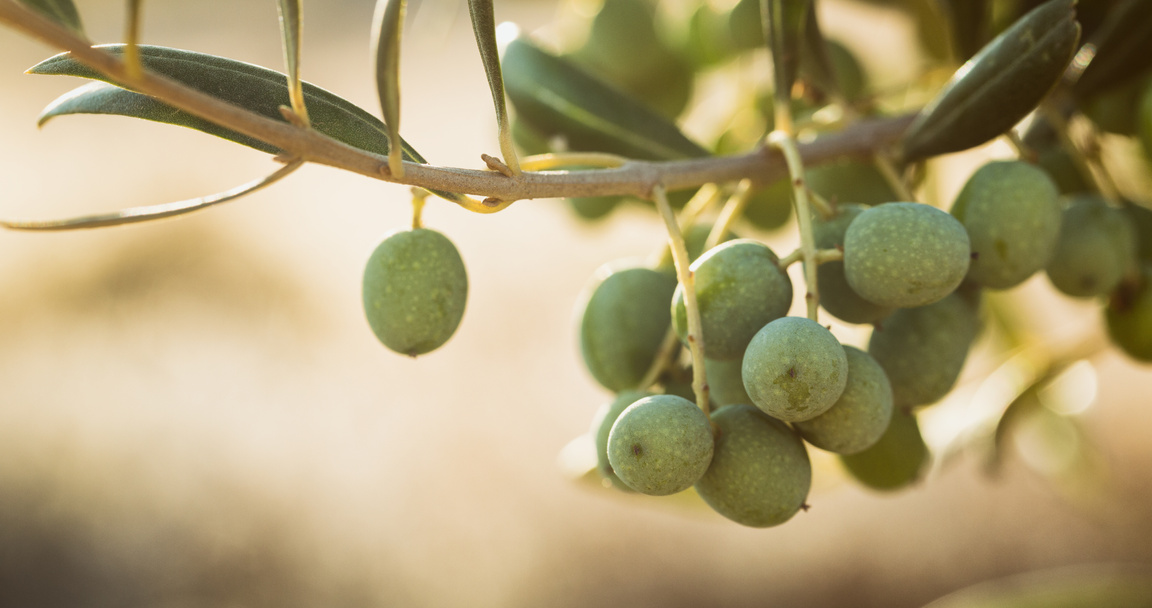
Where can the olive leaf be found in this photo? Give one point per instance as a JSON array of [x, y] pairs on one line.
[[970, 25], [557, 98], [1000, 85], [484, 29], [254, 88], [291, 28], [1123, 49], [816, 62], [784, 23], [389, 20], [135, 215], [61, 11]]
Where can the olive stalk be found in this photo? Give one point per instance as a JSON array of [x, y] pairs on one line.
[[691, 307], [787, 146], [732, 209]]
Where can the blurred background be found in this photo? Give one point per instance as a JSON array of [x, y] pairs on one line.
[[194, 412]]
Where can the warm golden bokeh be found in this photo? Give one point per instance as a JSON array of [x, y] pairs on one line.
[[195, 413]]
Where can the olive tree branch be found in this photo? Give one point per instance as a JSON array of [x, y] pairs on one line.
[[636, 178]]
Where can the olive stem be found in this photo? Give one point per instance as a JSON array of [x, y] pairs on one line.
[[733, 208], [691, 307], [824, 208], [663, 357], [888, 170], [1023, 150], [787, 146], [132, 39], [822, 256], [1077, 155], [419, 196]]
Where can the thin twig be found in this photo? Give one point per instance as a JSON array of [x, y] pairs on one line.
[[787, 146], [691, 307]]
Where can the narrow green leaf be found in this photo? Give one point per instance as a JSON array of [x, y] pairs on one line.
[[557, 98], [389, 21], [252, 87], [970, 25], [1120, 50], [153, 212], [816, 61], [61, 11], [291, 30], [784, 22], [1000, 85], [484, 29]]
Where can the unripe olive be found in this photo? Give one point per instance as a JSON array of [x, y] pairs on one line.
[[794, 369], [1116, 110], [414, 291], [623, 322], [1059, 166], [896, 460], [592, 208], [1096, 248], [850, 181], [660, 445], [740, 287], [769, 207], [1129, 317], [725, 382], [1141, 220], [861, 414], [922, 350], [842, 183], [602, 425], [760, 473], [1011, 211], [836, 295], [905, 254], [624, 48]]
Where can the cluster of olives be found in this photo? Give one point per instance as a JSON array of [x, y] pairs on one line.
[[912, 270], [777, 380]]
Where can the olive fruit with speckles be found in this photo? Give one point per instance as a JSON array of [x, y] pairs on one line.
[[836, 295], [1096, 248], [623, 322], [602, 425], [893, 462], [1129, 317], [905, 254], [794, 369], [660, 445], [1011, 211], [414, 291], [861, 414], [740, 288], [760, 473], [922, 350]]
